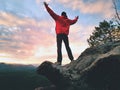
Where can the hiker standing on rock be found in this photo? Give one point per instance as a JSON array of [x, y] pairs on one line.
[[62, 30]]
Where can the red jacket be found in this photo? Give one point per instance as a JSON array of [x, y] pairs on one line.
[[62, 23]]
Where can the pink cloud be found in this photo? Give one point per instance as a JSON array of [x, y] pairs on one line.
[[24, 35], [103, 7], [26, 38], [79, 33]]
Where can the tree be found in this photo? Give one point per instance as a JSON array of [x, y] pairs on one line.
[[102, 34], [107, 31], [116, 31]]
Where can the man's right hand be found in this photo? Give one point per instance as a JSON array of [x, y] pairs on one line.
[[45, 4], [77, 17]]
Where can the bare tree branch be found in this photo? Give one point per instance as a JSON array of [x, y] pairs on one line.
[[116, 11]]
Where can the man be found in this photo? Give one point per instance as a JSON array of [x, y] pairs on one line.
[[62, 31]]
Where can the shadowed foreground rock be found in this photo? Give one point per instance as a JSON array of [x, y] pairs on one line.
[[97, 68]]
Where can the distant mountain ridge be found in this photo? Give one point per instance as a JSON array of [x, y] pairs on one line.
[[20, 77], [4, 66]]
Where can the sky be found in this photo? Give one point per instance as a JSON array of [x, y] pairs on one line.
[[27, 32]]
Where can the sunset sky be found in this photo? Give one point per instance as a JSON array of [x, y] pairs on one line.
[[27, 32]]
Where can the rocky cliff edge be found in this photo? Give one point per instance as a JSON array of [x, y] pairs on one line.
[[97, 68]]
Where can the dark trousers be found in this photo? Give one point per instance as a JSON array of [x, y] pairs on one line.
[[60, 38]]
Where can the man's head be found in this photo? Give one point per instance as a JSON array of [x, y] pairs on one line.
[[64, 14]]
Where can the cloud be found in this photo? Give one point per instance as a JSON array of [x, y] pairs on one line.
[[38, 1], [28, 38], [20, 37], [80, 33], [25, 38], [103, 7]]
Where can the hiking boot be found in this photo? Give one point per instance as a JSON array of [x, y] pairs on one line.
[[72, 60], [58, 63]]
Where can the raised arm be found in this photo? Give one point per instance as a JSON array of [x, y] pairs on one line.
[[50, 11], [74, 20]]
